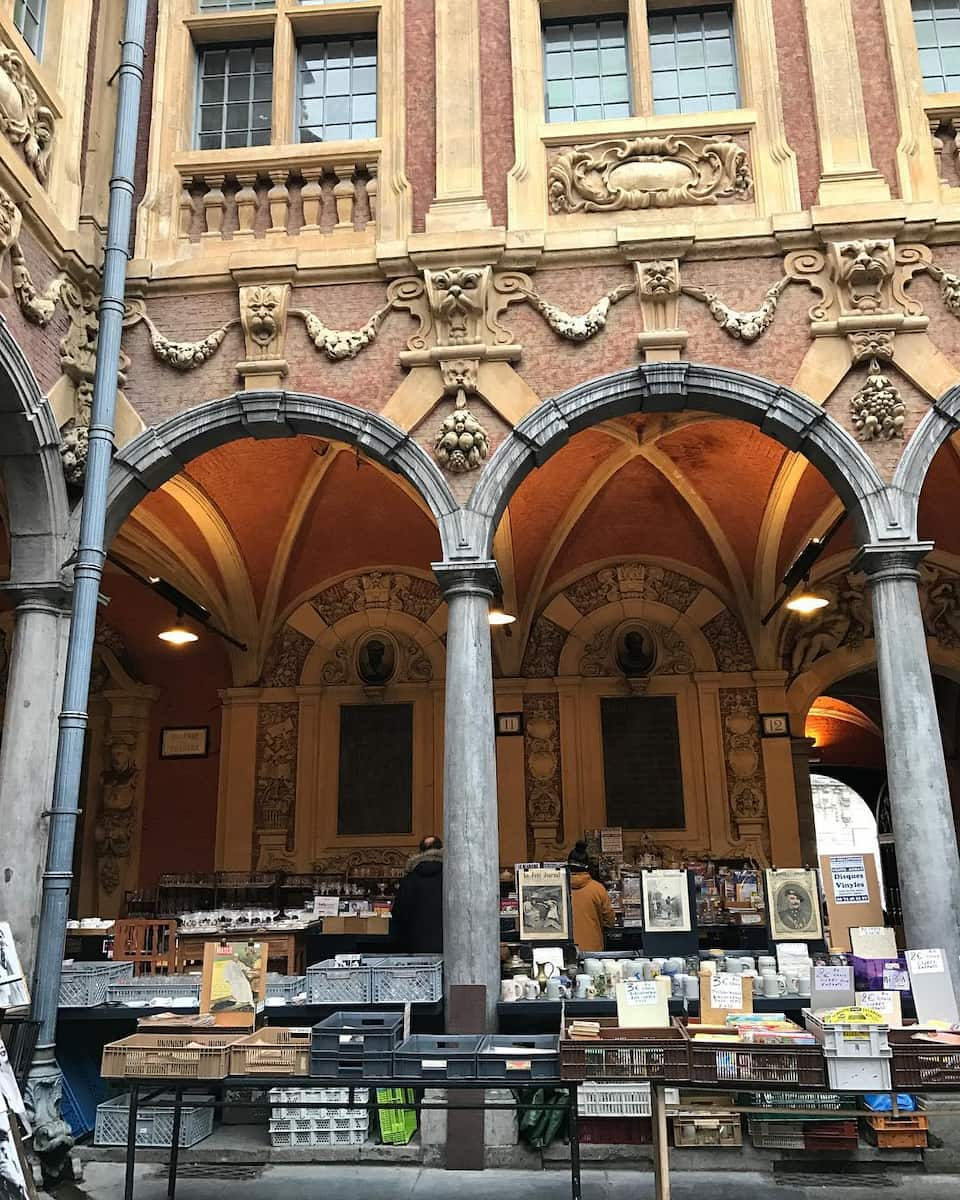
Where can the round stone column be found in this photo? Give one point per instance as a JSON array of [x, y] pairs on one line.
[[471, 868]]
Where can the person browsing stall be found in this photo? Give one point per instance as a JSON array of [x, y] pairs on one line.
[[592, 910], [416, 920]]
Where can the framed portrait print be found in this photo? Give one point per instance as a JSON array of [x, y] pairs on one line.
[[543, 896], [666, 902], [189, 741], [793, 902], [14, 992]]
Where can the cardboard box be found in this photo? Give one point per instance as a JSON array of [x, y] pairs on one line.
[[356, 925]]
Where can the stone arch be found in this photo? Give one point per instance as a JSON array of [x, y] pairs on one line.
[[161, 451], [33, 475], [793, 420], [942, 420]]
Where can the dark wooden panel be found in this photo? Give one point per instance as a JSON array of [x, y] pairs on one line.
[[643, 781], [465, 1137], [376, 769]]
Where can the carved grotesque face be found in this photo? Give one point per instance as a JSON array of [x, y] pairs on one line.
[[262, 306], [458, 300], [864, 267], [659, 279], [119, 757]]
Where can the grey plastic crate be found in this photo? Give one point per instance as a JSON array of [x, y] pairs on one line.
[[146, 989], [286, 987], [84, 985], [441, 1056], [154, 1123], [399, 979], [351, 1066], [329, 983], [518, 1058], [357, 1034]]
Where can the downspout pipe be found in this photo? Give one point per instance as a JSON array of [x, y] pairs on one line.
[[52, 1138]]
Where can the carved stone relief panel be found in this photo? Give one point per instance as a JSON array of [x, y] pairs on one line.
[[730, 645], [667, 653], [117, 816], [846, 621], [275, 796], [649, 172], [378, 589], [746, 788], [26, 122], [263, 318], [376, 658], [632, 581], [541, 659], [284, 664], [543, 777]]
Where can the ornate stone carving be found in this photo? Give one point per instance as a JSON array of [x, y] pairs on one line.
[[263, 315], [363, 861], [543, 778], [10, 222], [415, 665], [339, 344], [461, 443], [284, 664], [378, 589], [337, 668], [632, 580], [940, 598], [746, 788], [846, 621], [658, 288], [541, 659], [648, 172], [949, 287], [729, 643], [582, 326], [52, 1138], [871, 343], [116, 817], [862, 278], [26, 122], [744, 326], [182, 356], [877, 408], [671, 655], [37, 307], [275, 794], [78, 360]]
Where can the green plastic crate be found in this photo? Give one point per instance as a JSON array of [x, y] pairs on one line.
[[397, 1125]]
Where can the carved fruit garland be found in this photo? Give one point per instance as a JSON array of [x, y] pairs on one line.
[[744, 326], [461, 443], [877, 408], [338, 344]]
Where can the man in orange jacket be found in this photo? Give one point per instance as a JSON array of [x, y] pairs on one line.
[[592, 910]]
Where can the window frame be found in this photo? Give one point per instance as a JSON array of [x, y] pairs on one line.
[[233, 6], [594, 18], [40, 17], [701, 10], [325, 39], [943, 75], [226, 47]]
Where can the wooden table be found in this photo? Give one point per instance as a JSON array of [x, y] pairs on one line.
[[288, 945]]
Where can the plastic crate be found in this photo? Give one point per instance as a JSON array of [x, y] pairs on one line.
[[917, 1065], [627, 1054], [752, 1063], [286, 987], [244, 1106], [846, 1039], [723, 1131], [152, 989], [858, 1074], [283, 1133], [519, 1058], [276, 1050], [354, 1035], [444, 1056], [397, 1125], [907, 1132], [329, 983], [614, 1100], [620, 1131], [154, 1123], [829, 1101], [407, 979], [84, 985], [168, 1056], [767, 1134], [346, 1066], [296, 1102]]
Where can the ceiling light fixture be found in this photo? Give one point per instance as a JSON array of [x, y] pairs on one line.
[[178, 635], [799, 574], [806, 603], [498, 616]]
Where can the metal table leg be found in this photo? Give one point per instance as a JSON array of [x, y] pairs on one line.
[[661, 1146], [131, 1140], [573, 1132], [175, 1143]]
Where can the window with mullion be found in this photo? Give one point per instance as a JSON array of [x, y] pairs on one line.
[[29, 17], [937, 25], [206, 6], [693, 61], [337, 89], [235, 96], [586, 69]]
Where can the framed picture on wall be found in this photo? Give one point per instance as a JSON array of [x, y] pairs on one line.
[[543, 895], [666, 902], [185, 741], [794, 904]]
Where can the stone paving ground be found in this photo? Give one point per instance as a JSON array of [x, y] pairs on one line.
[[104, 1181]]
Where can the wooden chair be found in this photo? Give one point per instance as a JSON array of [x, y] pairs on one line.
[[150, 945]]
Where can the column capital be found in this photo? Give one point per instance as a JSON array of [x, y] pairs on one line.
[[881, 563], [476, 577], [53, 597]]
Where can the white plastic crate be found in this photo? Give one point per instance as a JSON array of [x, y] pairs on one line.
[[154, 989], [285, 987], [283, 1134], [858, 1074], [845, 1039], [328, 983], [154, 1123], [288, 1102], [614, 1100], [84, 985], [402, 980]]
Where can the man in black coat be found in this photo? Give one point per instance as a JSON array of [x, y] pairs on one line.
[[416, 925]]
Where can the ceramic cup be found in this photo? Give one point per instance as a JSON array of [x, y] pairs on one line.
[[649, 970], [521, 981], [679, 963], [766, 963], [679, 985], [734, 966], [593, 966], [585, 989], [531, 990], [628, 968], [508, 990], [552, 990], [691, 987]]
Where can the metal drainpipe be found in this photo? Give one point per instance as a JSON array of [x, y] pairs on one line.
[[52, 1138]]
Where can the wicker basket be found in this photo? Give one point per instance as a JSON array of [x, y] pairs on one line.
[[168, 1056], [744, 1062], [272, 1051], [627, 1054]]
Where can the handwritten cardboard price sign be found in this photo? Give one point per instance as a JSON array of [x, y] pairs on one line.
[[726, 991]]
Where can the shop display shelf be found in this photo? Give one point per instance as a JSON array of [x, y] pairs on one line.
[[145, 990], [168, 1056], [154, 1123], [918, 1065], [849, 1039], [907, 1132], [275, 1050], [397, 1125], [801, 1066], [620, 1131], [721, 1130], [659, 1054], [518, 1058], [354, 1035], [614, 1100], [445, 1056], [84, 985]]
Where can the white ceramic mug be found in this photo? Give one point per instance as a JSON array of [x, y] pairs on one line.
[[585, 989], [649, 970], [508, 990], [521, 981], [628, 968], [531, 990], [593, 966], [766, 963], [691, 987], [552, 991], [734, 966]]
